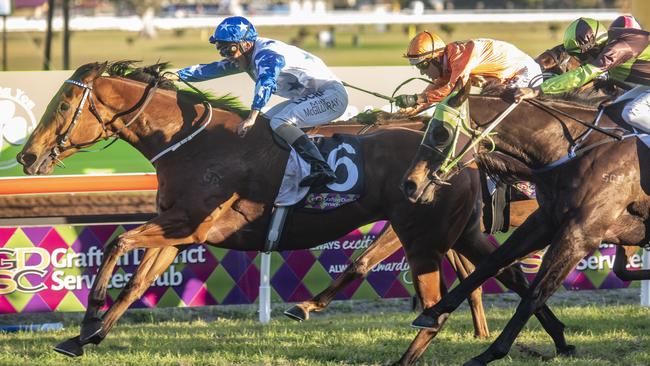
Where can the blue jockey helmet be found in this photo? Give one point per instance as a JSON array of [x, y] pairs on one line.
[[234, 29]]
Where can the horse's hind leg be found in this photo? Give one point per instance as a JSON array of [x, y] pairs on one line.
[[383, 247], [463, 267]]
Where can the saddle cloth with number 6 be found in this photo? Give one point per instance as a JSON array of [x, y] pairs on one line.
[[344, 155]]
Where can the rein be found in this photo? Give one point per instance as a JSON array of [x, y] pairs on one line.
[[60, 147], [590, 125], [141, 105]]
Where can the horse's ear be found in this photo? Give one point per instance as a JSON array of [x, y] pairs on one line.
[[102, 68], [462, 94], [96, 71]]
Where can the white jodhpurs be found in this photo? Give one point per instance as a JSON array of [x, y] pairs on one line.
[[323, 106], [637, 111]]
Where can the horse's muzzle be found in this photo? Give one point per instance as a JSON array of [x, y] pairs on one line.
[[33, 165]]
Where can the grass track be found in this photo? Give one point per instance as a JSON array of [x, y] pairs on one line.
[[607, 334]]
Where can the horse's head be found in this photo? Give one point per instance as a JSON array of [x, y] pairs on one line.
[[66, 126], [557, 60], [434, 162]]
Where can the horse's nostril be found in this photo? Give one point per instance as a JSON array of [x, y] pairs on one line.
[[26, 159], [409, 187]]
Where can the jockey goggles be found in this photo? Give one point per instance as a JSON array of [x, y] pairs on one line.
[[424, 65], [227, 49]]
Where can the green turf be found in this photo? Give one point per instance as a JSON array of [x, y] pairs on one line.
[[604, 335], [190, 46]]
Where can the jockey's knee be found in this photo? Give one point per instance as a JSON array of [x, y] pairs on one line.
[[637, 115], [287, 131]]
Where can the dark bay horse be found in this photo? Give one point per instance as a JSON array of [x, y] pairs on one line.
[[219, 189], [600, 195]]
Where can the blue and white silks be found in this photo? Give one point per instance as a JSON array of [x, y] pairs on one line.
[[315, 94]]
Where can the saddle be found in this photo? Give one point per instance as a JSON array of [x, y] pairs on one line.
[[345, 156]]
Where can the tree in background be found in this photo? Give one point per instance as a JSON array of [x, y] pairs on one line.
[[448, 30]]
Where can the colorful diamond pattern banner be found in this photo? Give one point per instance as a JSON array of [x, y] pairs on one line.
[[51, 268]]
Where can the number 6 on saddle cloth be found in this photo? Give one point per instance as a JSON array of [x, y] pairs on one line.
[[344, 155]]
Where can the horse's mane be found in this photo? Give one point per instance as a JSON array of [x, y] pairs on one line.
[[503, 167], [577, 98], [154, 73]]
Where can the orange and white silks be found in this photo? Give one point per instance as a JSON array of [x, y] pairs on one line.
[[482, 57]]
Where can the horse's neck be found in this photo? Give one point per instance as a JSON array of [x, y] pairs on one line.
[[166, 120], [535, 137]]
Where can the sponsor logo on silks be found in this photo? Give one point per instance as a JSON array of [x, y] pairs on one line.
[[17, 121]]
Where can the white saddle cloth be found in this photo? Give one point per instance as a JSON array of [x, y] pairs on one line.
[[290, 192]]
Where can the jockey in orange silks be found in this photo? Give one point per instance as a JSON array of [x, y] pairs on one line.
[[464, 61]]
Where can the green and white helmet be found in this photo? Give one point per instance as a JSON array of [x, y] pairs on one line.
[[584, 34]]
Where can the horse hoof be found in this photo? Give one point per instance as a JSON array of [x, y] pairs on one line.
[[424, 321], [90, 329], [567, 351], [71, 348], [474, 362], [297, 313]]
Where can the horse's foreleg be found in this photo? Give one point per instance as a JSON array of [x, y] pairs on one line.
[[569, 247], [157, 261], [153, 263], [425, 269], [383, 247], [477, 247], [91, 324], [463, 268], [531, 236]]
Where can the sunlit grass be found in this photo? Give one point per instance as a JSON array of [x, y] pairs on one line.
[[604, 335]]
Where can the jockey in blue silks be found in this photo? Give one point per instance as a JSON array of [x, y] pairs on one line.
[[315, 95]]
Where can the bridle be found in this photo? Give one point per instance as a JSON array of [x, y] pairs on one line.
[[140, 106], [60, 146]]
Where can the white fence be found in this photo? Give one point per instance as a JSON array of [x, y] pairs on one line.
[[134, 23]]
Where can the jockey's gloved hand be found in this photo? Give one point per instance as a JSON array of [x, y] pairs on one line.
[[406, 100], [171, 76]]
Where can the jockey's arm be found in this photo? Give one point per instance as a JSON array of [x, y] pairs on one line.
[[571, 80], [461, 60], [268, 65], [209, 71], [615, 53]]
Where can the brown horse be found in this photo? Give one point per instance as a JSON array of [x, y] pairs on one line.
[[219, 189], [388, 242], [602, 194]]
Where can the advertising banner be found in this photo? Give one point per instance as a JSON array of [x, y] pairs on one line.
[[51, 268]]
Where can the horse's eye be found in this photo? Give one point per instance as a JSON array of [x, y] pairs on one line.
[[65, 106]]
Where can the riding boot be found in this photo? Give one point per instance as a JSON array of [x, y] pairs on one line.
[[321, 173]]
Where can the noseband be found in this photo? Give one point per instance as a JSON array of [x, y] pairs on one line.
[[87, 95]]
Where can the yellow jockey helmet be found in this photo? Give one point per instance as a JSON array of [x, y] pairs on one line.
[[423, 46]]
